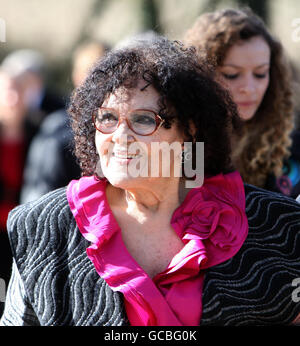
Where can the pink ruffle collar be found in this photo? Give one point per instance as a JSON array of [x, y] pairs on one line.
[[211, 223]]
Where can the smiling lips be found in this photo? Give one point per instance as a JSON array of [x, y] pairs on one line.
[[123, 158], [124, 155]]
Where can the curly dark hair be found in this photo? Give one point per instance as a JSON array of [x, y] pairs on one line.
[[189, 95], [264, 142]]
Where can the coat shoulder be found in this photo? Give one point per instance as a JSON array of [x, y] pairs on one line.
[[41, 224]]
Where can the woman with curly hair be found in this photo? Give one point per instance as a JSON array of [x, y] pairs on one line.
[[120, 248], [250, 62]]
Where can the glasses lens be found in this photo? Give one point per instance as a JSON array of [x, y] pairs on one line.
[[106, 120], [143, 122]]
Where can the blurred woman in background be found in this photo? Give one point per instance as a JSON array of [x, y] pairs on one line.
[[250, 62]]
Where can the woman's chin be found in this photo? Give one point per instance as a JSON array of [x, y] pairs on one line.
[[246, 115], [125, 181], [123, 176]]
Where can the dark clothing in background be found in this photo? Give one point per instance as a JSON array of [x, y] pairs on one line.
[[50, 162], [49, 104], [289, 182], [12, 155], [11, 163], [294, 168]]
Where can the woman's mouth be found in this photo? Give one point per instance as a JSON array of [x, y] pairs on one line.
[[124, 155], [123, 158], [246, 104]]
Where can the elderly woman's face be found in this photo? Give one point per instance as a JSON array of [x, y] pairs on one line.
[[127, 155]]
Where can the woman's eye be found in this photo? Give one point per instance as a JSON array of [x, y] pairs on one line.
[[143, 120], [230, 76], [107, 117], [260, 75]]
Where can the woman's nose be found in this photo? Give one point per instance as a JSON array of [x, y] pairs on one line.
[[123, 133], [247, 85]]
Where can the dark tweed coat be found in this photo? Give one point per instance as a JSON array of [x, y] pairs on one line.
[[54, 283]]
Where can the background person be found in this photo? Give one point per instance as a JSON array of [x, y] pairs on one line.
[[51, 163], [24, 103], [29, 68], [146, 250], [250, 62]]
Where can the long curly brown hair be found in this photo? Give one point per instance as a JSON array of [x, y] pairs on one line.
[[263, 144]]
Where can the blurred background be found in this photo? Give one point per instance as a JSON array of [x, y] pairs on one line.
[[55, 27]]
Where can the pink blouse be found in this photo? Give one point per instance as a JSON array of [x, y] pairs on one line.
[[211, 223]]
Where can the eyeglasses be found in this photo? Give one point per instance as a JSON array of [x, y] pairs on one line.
[[143, 122]]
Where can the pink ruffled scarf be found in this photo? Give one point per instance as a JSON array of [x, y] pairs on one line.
[[211, 223]]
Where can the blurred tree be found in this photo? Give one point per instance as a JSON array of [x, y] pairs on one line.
[[210, 5], [150, 12], [93, 15], [61, 71], [260, 7]]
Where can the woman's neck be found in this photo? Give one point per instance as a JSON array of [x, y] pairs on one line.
[[149, 200]]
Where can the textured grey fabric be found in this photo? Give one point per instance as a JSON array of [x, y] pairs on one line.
[[18, 310], [59, 280], [255, 286], [54, 282]]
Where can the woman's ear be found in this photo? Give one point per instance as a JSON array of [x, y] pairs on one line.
[[190, 136], [192, 129]]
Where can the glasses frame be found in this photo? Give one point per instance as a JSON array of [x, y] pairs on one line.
[[158, 120]]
